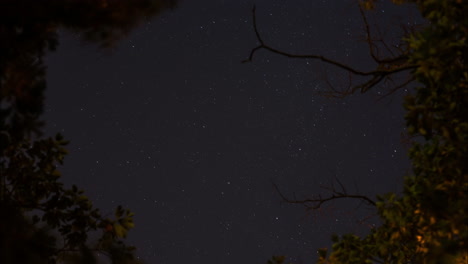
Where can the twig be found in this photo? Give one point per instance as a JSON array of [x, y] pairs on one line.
[[386, 67], [317, 202]]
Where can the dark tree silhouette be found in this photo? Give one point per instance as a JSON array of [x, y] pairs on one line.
[[41, 220], [427, 223], [387, 67]]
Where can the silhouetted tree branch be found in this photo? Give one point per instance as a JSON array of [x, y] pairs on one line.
[[385, 70], [426, 223], [317, 201], [42, 220]]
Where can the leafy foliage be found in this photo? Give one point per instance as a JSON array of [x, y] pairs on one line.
[[28, 29], [428, 222], [42, 220], [276, 260]]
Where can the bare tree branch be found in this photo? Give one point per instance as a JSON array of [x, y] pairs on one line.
[[373, 48], [398, 87], [318, 201], [386, 67]]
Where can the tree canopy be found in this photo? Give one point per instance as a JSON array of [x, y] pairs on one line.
[[42, 221], [428, 222]]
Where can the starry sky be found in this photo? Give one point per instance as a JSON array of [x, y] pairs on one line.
[[171, 124]]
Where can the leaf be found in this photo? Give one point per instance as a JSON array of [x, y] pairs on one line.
[[120, 231]]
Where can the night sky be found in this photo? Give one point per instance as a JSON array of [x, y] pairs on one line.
[[172, 125]]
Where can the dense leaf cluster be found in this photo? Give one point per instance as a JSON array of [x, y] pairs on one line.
[[41, 220], [427, 224]]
